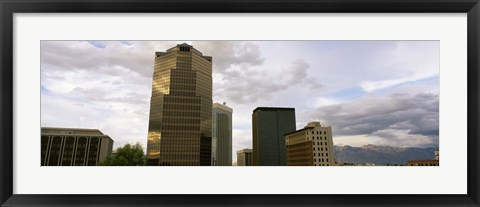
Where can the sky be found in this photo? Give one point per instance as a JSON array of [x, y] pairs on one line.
[[370, 92]]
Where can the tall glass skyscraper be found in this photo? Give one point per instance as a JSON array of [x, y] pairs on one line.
[[222, 135], [180, 124], [270, 124]]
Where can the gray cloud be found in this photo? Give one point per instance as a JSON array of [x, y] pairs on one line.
[[249, 84], [230, 53], [114, 59], [102, 95], [398, 118]]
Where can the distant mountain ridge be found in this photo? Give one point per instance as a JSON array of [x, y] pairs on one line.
[[381, 155]]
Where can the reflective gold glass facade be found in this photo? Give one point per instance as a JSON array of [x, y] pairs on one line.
[[180, 124]]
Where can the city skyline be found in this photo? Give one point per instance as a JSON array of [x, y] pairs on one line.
[[370, 92]]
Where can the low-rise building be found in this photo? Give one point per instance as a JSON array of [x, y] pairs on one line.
[[245, 157], [74, 147], [310, 146], [422, 163]]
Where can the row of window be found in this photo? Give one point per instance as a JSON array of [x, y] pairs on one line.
[[320, 160], [318, 132], [321, 148], [321, 143], [320, 154], [176, 106], [319, 138], [428, 164]]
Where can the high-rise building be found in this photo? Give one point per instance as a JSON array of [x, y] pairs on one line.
[[180, 123], [74, 147], [245, 157], [310, 146], [270, 124], [222, 135]]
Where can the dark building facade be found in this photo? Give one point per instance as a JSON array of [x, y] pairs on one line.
[[269, 125], [180, 122], [74, 147]]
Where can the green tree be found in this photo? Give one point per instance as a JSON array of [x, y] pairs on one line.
[[128, 155]]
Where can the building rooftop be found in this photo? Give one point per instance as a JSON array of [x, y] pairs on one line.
[[273, 109], [300, 130], [185, 47], [57, 131], [70, 129], [244, 150], [223, 107]]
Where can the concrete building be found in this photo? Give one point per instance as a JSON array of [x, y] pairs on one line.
[[269, 125], [222, 135], [74, 147], [310, 146], [245, 157], [180, 122]]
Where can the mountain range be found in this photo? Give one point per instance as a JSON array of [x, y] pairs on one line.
[[381, 155]]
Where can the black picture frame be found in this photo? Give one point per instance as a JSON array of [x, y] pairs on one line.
[[10, 7]]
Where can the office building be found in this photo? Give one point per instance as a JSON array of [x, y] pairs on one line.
[[180, 122], [310, 146], [245, 157], [222, 135], [74, 147], [269, 125]]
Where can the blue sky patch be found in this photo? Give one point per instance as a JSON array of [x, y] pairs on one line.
[[98, 44]]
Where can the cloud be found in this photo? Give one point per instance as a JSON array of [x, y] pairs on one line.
[[105, 96], [106, 57], [242, 84], [372, 65], [404, 138], [231, 53], [397, 119]]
